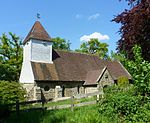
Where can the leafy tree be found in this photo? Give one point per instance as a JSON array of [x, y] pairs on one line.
[[10, 57], [61, 44], [7, 72], [94, 47], [138, 68], [135, 28]]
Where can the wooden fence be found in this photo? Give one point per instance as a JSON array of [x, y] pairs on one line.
[[72, 104]]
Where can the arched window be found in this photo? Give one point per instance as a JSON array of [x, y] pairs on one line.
[[46, 88]]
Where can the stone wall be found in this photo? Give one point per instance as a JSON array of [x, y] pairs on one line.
[[50, 90], [30, 89], [90, 89]]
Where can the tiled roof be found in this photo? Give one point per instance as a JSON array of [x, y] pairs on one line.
[[43, 71], [116, 70], [37, 32], [69, 66], [92, 77]]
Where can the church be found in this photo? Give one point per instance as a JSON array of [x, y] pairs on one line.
[[53, 73]]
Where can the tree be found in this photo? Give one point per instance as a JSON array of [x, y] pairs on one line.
[[135, 28], [7, 72], [61, 44], [10, 56], [138, 68], [94, 47]]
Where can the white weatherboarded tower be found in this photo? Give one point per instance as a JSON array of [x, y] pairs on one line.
[[37, 48]]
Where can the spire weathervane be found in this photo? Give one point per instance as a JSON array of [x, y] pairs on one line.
[[38, 16]]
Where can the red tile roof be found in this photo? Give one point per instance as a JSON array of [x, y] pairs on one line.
[[70, 66], [37, 32]]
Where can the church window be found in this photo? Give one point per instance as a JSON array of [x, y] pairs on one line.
[[46, 88], [106, 76]]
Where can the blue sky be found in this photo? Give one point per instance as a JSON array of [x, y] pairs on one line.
[[74, 20]]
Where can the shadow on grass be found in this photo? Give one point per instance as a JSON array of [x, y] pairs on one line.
[[87, 114], [35, 116]]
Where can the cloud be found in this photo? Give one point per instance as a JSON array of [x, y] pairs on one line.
[[96, 35], [94, 16], [78, 16]]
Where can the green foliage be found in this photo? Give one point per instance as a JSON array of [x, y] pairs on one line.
[[10, 92], [61, 44], [118, 106], [87, 114], [10, 57], [142, 115], [134, 105], [94, 47], [123, 81], [124, 105], [138, 68], [7, 72], [117, 56], [25, 117]]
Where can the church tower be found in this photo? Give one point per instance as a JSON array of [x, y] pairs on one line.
[[37, 48]]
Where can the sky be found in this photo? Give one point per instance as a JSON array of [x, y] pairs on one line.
[[73, 20]]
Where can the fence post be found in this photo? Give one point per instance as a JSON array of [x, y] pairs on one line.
[[43, 101], [72, 103], [17, 107]]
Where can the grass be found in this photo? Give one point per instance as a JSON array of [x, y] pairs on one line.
[[87, 114]]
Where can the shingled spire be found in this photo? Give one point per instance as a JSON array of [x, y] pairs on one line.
[[37, 32]]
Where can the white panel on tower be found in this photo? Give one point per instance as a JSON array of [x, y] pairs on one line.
[[41, 51]]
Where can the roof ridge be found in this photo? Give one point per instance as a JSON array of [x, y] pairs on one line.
[[74, 52]]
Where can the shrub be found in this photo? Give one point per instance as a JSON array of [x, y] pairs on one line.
[[123, 81], [9, 93], [120, 103], [142, 115]]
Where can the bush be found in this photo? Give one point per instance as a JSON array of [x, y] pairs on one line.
[[123, 81], [9, 93], [142, 115], [124, 105]]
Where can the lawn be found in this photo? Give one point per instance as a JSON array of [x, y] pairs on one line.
[[87, 114]]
